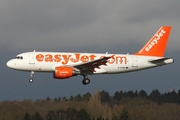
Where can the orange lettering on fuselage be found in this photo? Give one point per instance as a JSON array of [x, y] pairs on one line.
[[57, 58], [77, 57], [66, 59], [48, 58], [92, 57], [121, 59], [40, 57], [112, 60], [84, 58]]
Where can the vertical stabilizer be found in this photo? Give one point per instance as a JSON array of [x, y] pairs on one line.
[[157, 44]]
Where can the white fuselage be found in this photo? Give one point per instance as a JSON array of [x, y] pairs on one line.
[[48, 61]]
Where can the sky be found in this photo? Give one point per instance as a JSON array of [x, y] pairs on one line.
[[116, 26]]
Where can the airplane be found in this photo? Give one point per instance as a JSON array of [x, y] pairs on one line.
[[64, 65]]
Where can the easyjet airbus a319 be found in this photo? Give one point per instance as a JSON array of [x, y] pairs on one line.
[[65, 65]]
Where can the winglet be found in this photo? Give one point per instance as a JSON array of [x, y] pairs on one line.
[[157, 44]]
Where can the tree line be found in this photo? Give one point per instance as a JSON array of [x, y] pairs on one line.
[[155, 95], [123, 105]]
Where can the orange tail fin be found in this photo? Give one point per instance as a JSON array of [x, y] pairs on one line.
[[157, 44]]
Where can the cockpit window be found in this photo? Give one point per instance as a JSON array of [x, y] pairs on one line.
[[18, 57]]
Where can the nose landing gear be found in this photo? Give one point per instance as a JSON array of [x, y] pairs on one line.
[[31, 76]]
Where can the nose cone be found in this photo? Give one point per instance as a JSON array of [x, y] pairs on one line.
[[15, 64], [9, 64]]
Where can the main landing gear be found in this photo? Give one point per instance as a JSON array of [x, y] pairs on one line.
[[31, 76], [85, 80]]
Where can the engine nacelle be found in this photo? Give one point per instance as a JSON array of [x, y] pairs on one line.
[[63, 72]]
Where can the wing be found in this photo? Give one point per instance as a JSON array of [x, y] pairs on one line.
[[89, 67]]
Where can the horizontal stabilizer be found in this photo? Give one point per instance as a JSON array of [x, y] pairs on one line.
[[162, 61]]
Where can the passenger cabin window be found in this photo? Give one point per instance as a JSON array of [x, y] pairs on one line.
[[18, 57]]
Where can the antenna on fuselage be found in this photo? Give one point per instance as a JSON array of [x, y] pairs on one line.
[[34, 51]]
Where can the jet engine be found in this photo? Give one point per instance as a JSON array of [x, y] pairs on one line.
[[63, 72]]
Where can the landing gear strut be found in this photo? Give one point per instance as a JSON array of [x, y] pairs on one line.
[[85, 80], [31, 76]]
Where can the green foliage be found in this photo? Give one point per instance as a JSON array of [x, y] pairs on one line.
[[118, 95], [86, 97], [83, 115], [59, 115], [124, 115], [115, 118], [100, 118], [56, 100], [71, 98], [105, 97], [70, 114], [143, 94], [78, 98], [27, 116], [48, 99], [99, 106], [36, 116], [64, 99]]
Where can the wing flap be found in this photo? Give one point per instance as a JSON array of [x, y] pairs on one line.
[[92, 65]]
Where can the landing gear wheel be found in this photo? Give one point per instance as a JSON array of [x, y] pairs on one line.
[[31, 76], [86, 81], [30, 80]]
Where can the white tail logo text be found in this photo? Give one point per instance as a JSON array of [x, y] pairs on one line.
[[155, 40]]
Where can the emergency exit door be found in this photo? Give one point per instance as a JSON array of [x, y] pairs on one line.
[[31, 58], [135, 62]]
